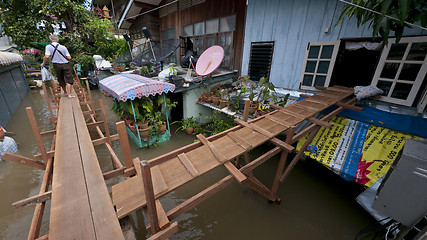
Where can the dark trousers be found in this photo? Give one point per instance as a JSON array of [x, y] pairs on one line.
[[63, 73]]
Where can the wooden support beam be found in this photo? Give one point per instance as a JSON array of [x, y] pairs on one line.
[[114, 157], [103, 140], [48, 133], [258, 187], [166, 233], [163, 218], [95, 124], [44, 237], [282, 163], [199, 198], [219, 156], [113, 173], [260, 160], [188, 165], [39, 157], [24, 160], [104, 118], [285, 146], [149, 195], [246, 110], [320, 122], [124, 143], [39, 209], [349, 106], [36, 133], [49, 106], [32, 200], [298, 155], [239, 176], [89, 112], [254, 127]]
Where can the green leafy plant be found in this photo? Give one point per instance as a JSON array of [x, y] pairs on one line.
[[266, 89], [393, 14], [219, 124], [145, 70], [189, 122]]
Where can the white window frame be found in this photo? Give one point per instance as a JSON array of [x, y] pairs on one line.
[[415, 84], [336, 45]]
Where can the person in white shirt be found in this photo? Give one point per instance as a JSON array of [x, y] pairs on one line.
[[60, 59]]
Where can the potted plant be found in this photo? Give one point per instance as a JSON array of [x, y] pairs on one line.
[[223, 101], [216, 97], [253, 104], [188, 124], [160, 122]]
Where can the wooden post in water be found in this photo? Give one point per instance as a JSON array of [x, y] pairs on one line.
[[149, 195], [36, 132]]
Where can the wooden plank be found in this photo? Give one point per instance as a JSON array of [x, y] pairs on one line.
[[39, 157], [163, 218], [105, 221], [285, 146], [239, 176], [320, 122], [278, 120], [24, 160], [219, 155], [348, 106], [166, 233], [68, 183], [190, 167], [32, 200], [240, 141], [48, 133], [124, 143], [254, 127], [113, 173], [293, 114], [36, 132]]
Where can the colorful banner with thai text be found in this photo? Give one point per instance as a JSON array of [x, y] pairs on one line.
[[355, 150]]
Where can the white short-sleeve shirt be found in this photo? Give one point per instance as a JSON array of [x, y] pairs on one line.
[[57, 58]]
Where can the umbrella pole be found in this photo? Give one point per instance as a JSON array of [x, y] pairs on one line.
[[166, 113], [136, 124]]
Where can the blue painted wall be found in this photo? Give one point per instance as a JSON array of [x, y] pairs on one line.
[[291, 24]]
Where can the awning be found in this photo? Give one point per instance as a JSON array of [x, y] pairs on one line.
[[7, 58], [129, 86]]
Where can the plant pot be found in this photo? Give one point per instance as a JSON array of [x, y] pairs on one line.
[[189, 130], [132, 127], [215, 100], [128, 121], [223, 103], [122, 68], [143, 125], [144, 134], [162, 128], [253, 107], [177, 81]]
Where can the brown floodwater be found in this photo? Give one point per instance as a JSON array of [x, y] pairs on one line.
[[316, 204]]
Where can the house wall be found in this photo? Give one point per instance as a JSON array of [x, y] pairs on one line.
[[210, 9], [291, 24], [13, 87]]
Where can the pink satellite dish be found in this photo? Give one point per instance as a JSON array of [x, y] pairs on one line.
[[209, 61]]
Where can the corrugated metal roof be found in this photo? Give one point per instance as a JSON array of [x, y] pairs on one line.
[[7, 58]]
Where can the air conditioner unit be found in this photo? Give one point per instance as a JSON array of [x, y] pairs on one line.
[[403, 192]]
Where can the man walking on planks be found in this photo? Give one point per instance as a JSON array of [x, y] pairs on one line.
[[60, 59]]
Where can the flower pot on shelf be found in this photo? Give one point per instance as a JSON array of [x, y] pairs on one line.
[[189, 130], [215, 100], [143, 125], [162, 128], [253, 107], [144, 134], [223, 103]]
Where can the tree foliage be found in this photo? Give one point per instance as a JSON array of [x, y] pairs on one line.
[[84, 33], [412, 11]]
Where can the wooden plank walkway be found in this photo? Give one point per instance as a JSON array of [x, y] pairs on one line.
[[175, 169], [81, 206]]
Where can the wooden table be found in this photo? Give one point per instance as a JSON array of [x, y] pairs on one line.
[[81, 206]]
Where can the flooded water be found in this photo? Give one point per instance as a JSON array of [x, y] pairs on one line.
[[316, 204]]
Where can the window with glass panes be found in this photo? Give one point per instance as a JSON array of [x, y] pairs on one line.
[[402, 70], [318, 64], [217, 31]]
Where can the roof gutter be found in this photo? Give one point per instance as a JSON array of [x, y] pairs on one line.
[[125, 13]]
